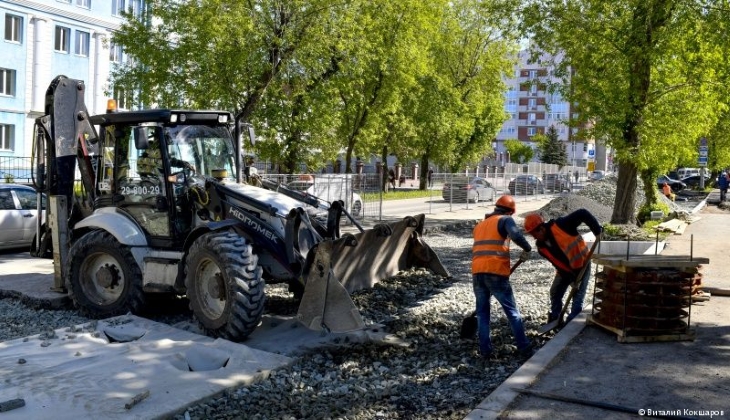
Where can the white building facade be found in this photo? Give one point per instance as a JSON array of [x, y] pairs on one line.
[[46, 38]]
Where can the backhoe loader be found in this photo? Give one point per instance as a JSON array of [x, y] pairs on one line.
[[161, 207]]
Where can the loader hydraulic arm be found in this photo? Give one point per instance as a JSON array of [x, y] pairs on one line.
[[64, 136]]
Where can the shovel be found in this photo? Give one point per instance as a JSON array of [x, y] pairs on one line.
[[469, 324], [558, 322]]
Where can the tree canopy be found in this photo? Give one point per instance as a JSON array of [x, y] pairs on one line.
[[414, 78], [649, 76]]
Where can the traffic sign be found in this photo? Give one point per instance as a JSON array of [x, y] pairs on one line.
[[702, 161]]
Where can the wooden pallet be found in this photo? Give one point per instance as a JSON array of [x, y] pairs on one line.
[[624, 337]]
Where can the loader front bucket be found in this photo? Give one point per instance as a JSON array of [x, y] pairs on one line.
[[325, 304], [382, 252], [360, 261]]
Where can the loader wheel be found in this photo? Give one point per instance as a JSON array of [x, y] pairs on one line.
[[103, 277], [224, 285]]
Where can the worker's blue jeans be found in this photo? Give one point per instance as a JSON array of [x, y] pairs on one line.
[[557, 291], [485, 286]]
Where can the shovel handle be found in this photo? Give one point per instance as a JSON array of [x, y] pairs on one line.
[[515, 265]]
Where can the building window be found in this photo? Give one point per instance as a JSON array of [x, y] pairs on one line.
[[136, 7], [84, 3], [532, 103], [82, 44], [13, 27], [115, 53], [7, 132], [122, 97], [531, 118], [7, 82], [533, 74], [62, 39], [531, 131], [117, 7]]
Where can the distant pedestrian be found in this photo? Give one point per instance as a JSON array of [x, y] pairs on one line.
[[430, 177], [490, 268], [391, 178], [560, 243], [577, 175], [722, 182], [667, 191]]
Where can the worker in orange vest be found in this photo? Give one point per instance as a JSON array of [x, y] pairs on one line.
[[490, 268], [667, 190], [560, 243]]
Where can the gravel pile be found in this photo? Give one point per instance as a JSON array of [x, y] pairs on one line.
[[434, 374]]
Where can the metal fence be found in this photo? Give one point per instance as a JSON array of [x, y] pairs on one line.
[[444, 192], [15, 169]]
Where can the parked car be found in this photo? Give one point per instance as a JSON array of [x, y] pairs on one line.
[[693, 181], [18, 215], [597, 175], [558, 182], [526, 184], [675, 184], [473, 189], [299, 185], [329, 194]]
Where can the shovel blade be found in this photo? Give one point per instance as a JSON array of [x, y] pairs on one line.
[[548, 327]]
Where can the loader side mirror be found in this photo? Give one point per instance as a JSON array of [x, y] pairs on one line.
[[248, 128], [140, 138]]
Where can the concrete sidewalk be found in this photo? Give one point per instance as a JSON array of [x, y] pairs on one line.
[[606, 379]]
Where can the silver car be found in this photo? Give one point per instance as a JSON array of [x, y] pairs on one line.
[[18, 215], [474, 189]]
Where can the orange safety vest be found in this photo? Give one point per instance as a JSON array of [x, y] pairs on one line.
[[667, 190], [490, 253], [574, 247]]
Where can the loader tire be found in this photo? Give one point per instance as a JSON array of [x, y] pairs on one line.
[[103, 277], [224, 285]]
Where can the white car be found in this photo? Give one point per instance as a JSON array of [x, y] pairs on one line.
[[18, 215], [353, 206]]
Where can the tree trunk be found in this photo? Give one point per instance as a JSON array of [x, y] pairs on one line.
[[423, 177], [623, 207]]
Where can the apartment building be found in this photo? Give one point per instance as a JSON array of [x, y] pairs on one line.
[[45, 38], [532, 109]]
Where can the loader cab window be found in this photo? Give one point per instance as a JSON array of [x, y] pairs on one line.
[[138, 184], [205, 148]]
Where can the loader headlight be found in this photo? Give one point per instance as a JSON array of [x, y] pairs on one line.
[[305, 239]]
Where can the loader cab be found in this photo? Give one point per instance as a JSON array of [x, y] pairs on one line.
[[150, 161]]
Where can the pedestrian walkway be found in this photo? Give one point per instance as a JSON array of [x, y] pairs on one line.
[[603, 378]]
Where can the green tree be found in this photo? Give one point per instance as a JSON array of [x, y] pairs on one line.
[[550, 148], [260, 59], [644, 73], [518, 151], [459, 106]]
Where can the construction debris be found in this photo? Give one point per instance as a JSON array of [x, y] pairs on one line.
[[675, 225]]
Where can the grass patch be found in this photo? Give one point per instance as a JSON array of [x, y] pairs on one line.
[[400, 194]]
